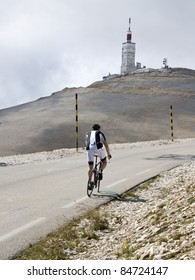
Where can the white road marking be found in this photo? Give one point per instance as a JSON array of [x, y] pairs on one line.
[[142, 172], [49, 170], [21, 229], [116, 183], [3, 213], [75, 202]]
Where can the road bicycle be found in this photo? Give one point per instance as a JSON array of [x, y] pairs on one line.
[[96, 177]]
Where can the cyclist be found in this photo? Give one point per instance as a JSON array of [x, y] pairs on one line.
[[95, 140]]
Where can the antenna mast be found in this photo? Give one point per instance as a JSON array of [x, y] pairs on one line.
[[129, 34]]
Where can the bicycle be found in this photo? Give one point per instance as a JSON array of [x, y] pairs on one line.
[[96, 177]]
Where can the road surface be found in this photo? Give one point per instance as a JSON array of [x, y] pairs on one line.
[[37, 198]]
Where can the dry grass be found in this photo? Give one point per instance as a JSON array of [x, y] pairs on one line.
[[62, 243]]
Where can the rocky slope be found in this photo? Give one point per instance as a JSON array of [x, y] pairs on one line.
[[130, 108], [155, 221]]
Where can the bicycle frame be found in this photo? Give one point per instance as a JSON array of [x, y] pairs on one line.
[[96, 171]]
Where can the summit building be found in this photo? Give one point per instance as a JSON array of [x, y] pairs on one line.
[[128, 53]]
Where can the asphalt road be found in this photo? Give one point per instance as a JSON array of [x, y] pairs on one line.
[[37, 198]]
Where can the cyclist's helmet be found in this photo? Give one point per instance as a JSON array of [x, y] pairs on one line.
[[96, 127]]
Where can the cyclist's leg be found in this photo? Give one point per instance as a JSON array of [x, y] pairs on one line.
[[103, 159], [90, 171], [103, 163], [90, 159]]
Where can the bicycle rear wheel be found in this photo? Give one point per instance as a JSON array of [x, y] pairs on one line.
[[93, 183]]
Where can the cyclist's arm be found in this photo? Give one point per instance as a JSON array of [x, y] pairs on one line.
[[107, 148]]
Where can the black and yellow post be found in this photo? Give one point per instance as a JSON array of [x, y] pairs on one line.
[[77, 123], [171, 117]]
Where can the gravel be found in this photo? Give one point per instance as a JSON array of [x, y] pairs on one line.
[[61, 153]]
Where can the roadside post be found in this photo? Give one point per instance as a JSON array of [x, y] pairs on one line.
[[171, 118], [77, 123]]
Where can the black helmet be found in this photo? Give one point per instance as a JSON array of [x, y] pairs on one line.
[[96, 127]]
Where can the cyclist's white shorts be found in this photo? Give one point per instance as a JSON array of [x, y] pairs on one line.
[[94, 151]]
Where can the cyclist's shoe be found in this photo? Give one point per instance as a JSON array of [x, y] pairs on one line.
[[90, 186], [100, 175]]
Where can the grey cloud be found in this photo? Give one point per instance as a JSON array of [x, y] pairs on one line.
[[47, 45]]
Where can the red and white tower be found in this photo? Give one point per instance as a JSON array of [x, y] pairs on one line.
[[128, 53]]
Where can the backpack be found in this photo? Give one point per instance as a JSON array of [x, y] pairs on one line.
[[97, 140]]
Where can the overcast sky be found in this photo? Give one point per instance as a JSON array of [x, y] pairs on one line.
[[47, 45]]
